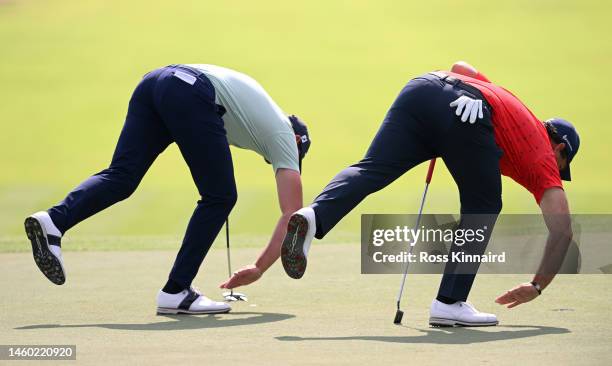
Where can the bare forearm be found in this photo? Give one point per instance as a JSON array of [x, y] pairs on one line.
[[267, 257], [554, 254], [289, 187], [272, 251], [555, 210]]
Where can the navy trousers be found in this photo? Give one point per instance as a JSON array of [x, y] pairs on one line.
[[419, 126], [165, 109]]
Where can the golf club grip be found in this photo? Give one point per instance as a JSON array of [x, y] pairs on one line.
[[432, 165]]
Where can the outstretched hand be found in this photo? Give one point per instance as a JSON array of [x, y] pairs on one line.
[[242, 277], [522, 293]]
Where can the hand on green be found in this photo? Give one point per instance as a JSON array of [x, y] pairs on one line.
[[520, 294], [244, 276]]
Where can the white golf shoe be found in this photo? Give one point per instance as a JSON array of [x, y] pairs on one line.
[[189, 301], [461, 313], [300, 232], [45, 239]]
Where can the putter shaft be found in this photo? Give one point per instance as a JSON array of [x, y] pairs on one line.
[[229, 259], [432, 164]]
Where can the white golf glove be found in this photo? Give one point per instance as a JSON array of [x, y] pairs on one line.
[[470, 108]]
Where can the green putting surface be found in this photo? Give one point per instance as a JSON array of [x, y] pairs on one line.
[[334, 315]]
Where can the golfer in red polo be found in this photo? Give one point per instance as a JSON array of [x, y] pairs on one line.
[[481, 131]]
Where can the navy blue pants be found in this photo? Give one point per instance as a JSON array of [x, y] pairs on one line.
[[165, 109], [419, 126]]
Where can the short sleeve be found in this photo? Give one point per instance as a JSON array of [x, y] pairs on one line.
[[282, 151], [543, 174]]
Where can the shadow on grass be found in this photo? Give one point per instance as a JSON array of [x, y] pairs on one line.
[[181, 322], [448, 335]]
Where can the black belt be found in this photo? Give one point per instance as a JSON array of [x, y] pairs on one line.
[[461, 84]]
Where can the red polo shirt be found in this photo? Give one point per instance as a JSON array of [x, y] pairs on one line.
[[527, 154]]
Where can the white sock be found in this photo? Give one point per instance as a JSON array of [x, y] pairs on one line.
[[45, 219]]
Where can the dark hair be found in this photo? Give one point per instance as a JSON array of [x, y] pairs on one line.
[[554, 135]]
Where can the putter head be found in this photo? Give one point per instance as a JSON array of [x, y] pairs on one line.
[[231, 296], [398, 317]]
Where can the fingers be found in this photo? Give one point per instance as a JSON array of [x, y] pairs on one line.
[[520, 296], [514, 304], [468, 109], [232, 282], [505, 299], [459, 103], [474, 111], [514, 297], [227, 284], [232, 286], [464, 106]]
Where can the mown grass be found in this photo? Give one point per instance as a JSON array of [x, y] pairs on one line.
[[67, 69]]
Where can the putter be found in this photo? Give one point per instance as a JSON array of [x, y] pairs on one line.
[[230, 295], [399, 314]]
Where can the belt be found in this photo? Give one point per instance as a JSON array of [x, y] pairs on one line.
[[449, 79]]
